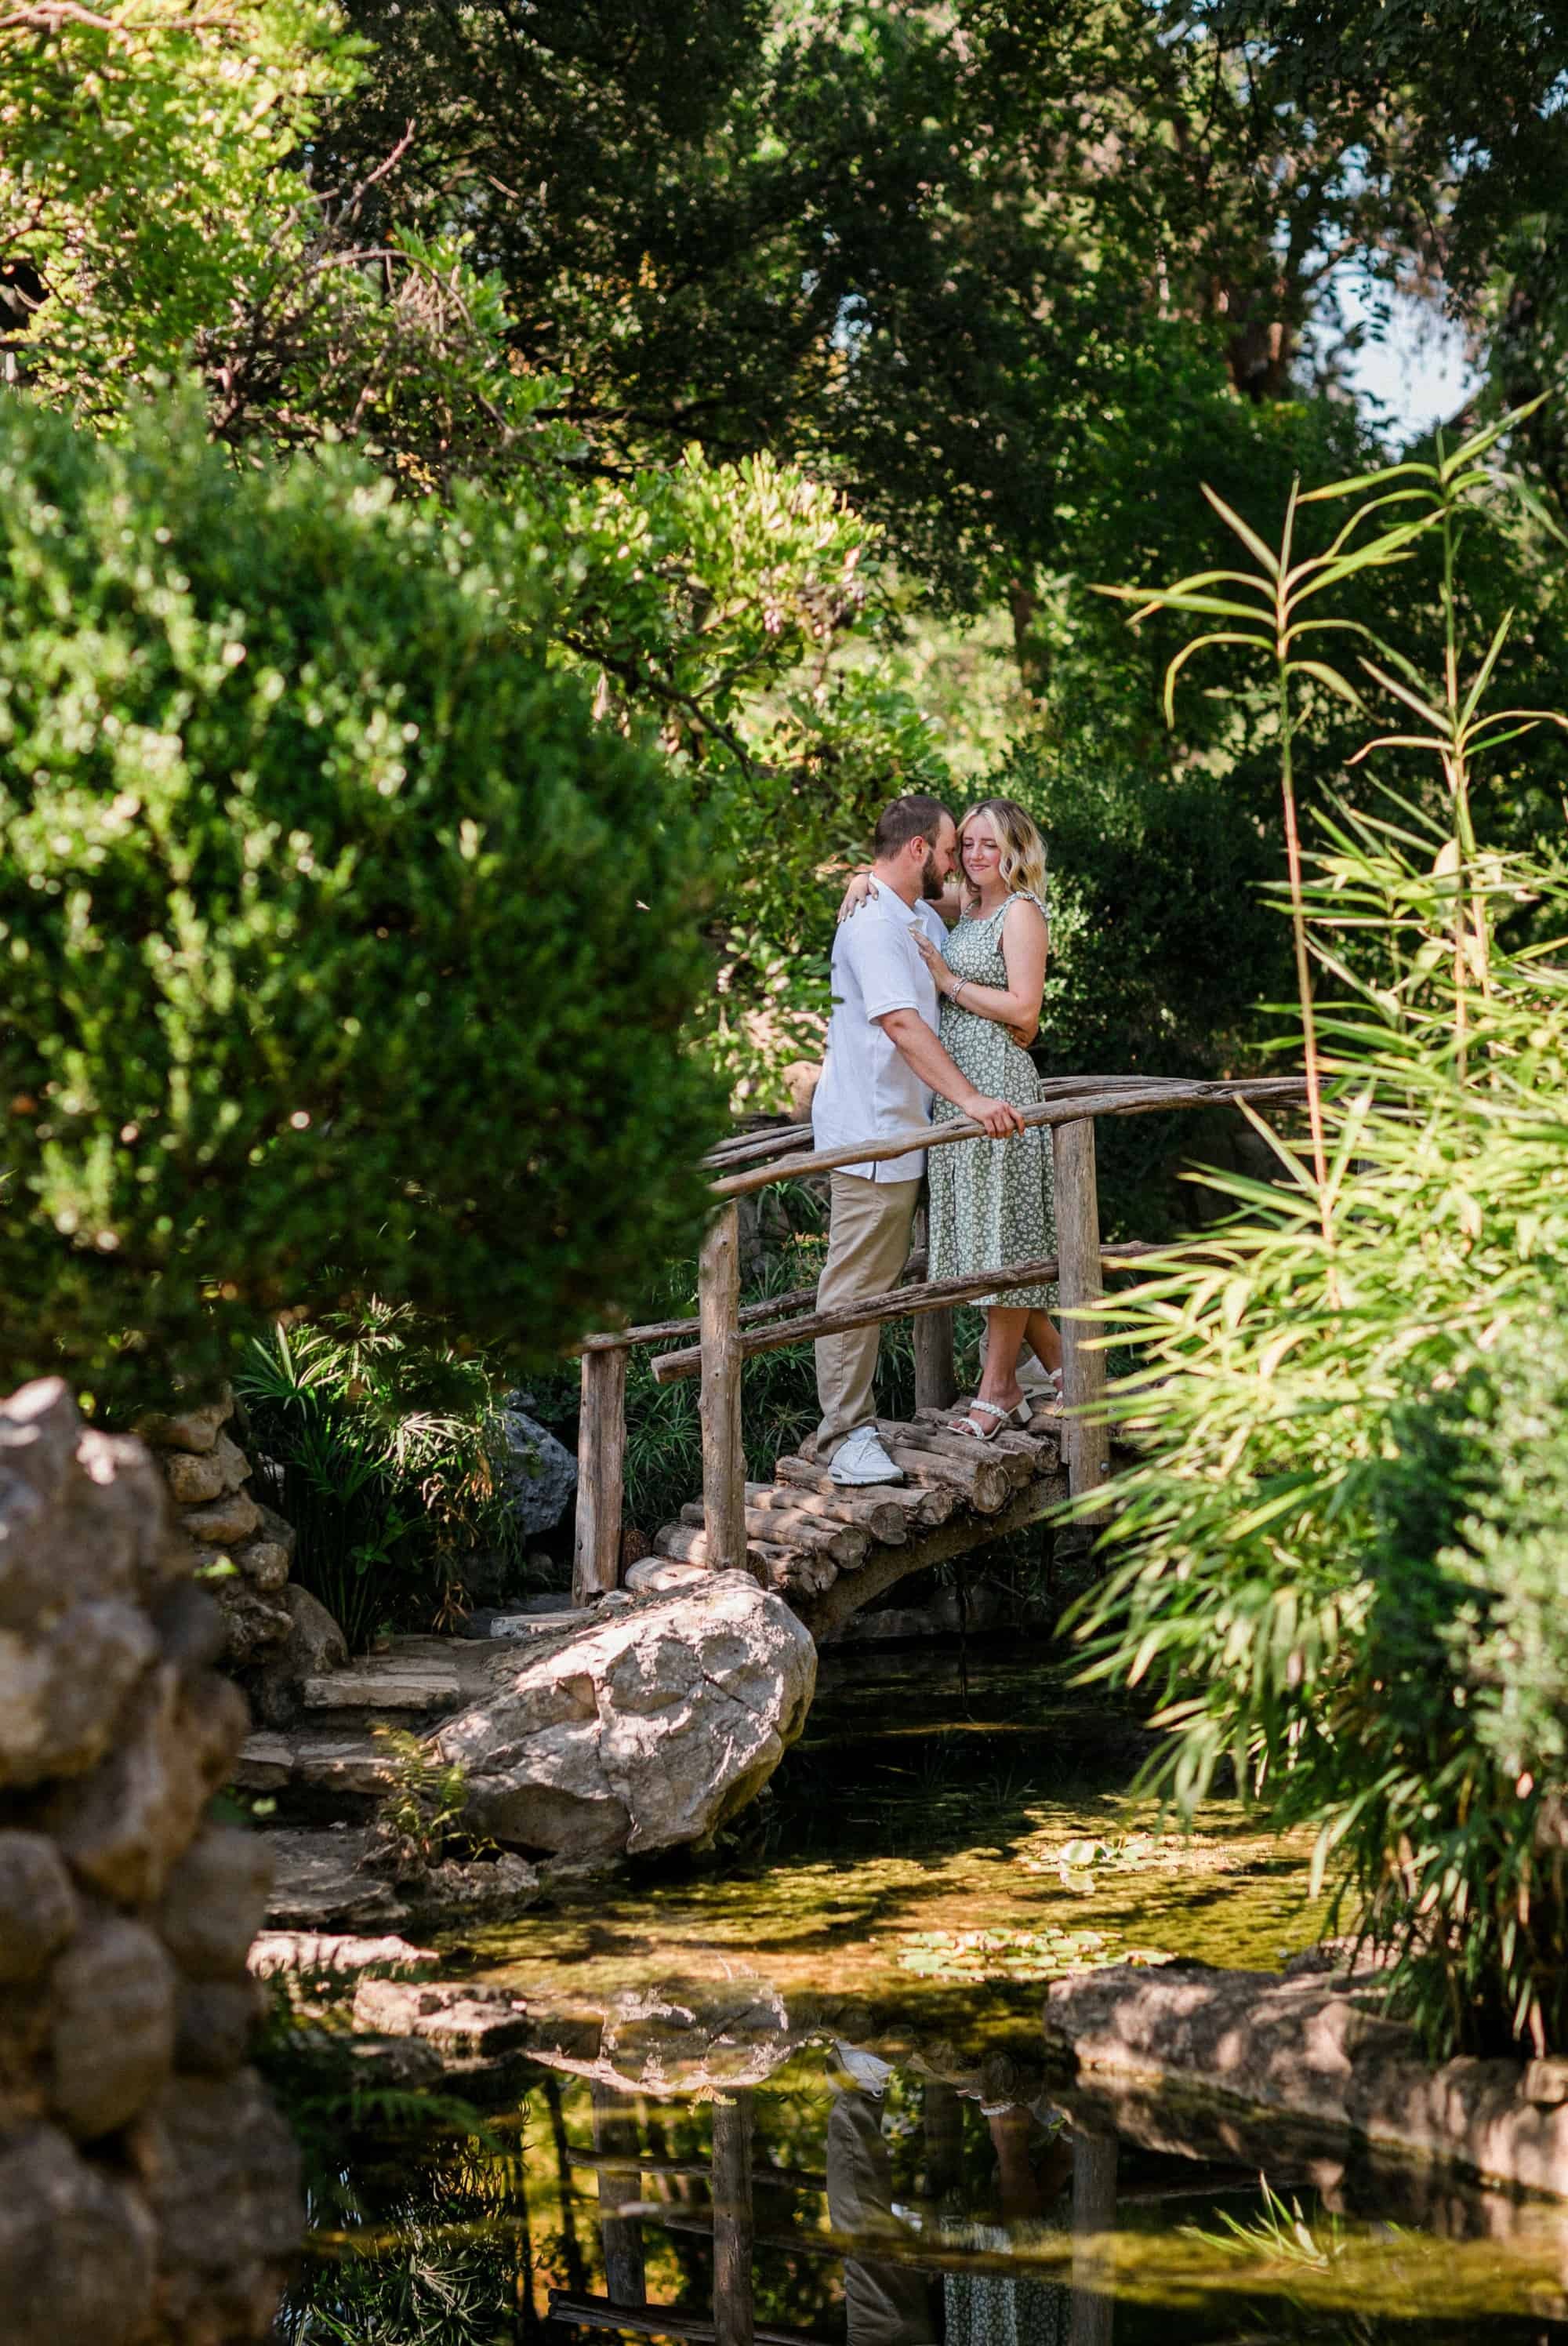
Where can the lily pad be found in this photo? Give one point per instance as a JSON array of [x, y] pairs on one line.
[[1052, 1953]]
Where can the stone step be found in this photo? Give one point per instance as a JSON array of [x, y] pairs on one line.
[[380, 1684], [538, 1618], [416, 1677], [313, 1759]]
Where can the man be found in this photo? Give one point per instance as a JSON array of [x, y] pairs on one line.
[[883, 1062]]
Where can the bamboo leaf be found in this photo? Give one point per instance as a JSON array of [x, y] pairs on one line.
[[1396, 741], [1536, 507], [1287, 1156], [1193, 585], [1535, 715], [1487, 438], [1343, 537], [1435, 717], [1483, 673], [1337, 627], [1174, 598], [1514, 733], [1385, 552], [1360, 481], [1198, 644], [1330, 676], [1244, 531]]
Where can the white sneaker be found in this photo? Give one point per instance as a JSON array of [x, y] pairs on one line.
[[861, 1458]]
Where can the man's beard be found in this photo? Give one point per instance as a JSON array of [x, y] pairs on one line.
[[932, 884]]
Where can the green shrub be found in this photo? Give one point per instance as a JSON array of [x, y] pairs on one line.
[[383, 1447], [334, 931]]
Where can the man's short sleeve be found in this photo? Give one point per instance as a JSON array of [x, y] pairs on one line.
[[882, 956]]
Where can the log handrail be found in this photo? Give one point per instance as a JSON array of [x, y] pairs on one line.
[[660, 2321], [751, 1315], [905, 1302], [741, 1147], [1268, 1091]]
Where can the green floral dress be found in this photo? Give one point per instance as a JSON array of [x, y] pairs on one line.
[[992, 1201]]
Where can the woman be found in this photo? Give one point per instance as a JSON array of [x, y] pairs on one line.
[[991, 1200]]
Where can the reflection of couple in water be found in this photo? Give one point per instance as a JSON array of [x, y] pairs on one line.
[[898, 2305], [931, 1021]]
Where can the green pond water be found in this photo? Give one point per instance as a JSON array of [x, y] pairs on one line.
[[806, 2073]]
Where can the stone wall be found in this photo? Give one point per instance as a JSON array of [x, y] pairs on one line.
[[276, 1633], [148, 2189]]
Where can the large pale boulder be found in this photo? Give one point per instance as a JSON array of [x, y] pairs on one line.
[[62, 1686], [647, 1728]]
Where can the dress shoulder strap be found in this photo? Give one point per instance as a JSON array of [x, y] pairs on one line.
[[1029, 897]]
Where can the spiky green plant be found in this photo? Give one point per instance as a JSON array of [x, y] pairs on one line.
[[1344, 1558], [1276, 623], [380, 1444]]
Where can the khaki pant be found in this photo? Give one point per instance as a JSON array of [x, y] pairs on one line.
[[884, 2305], [868, 1245]]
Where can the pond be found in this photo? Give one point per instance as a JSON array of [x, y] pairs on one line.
[[803, 2085]]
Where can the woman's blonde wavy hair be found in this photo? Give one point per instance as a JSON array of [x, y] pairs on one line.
[[1023, 863]]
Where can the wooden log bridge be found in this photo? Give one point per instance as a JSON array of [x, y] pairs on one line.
[[830, 1552]]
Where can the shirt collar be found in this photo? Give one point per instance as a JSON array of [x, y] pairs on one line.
[[897, 910]]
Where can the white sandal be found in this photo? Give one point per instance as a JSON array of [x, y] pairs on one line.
[[1004, 1417]]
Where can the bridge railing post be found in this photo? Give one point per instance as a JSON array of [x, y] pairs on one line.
[[601, 1463], [1086, 1448], [723, 1453], [935, 1377], [730, 2190]]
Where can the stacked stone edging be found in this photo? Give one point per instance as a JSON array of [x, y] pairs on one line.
[[277, 1633], [1312, 2047], [148, 2189]]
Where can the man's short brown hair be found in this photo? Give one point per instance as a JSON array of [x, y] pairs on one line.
[[919, 816]]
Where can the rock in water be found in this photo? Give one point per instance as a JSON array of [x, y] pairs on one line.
[[541, 1473], [646, 1728]]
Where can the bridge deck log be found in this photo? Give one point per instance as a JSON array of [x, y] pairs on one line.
[[845, 1542], [926, 1505], [839, 1602]]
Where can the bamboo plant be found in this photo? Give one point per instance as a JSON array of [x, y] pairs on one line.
[[1340, 1558]]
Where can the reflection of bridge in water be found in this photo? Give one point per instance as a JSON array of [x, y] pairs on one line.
[[829, 1551], [1002, 2201], [890, 2251]]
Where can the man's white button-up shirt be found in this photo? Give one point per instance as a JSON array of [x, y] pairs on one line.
[[868, 1090]]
